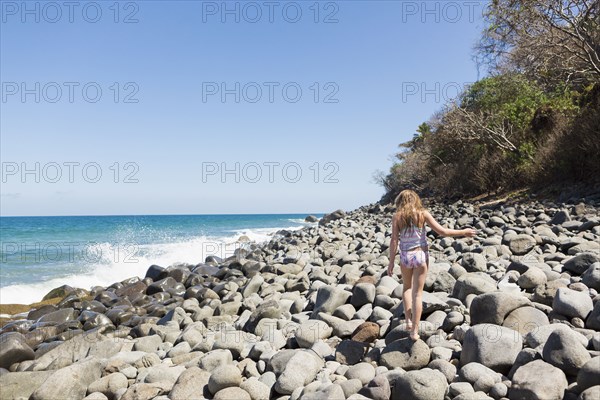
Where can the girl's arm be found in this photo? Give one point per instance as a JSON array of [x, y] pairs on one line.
[[393, 244], [440, 230]]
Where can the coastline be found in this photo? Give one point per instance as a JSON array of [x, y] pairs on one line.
[[312, 314]]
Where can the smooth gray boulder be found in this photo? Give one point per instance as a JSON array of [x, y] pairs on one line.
[[300, 370], [311, 331], [406, 354], [223, 377], [109, 385], [572, 303], [191, 384], [329, 298], [70, 383], [20, 385], [539, 336], [591, 276], [564, 351], [481, 344], [593, 320], [14, 349], [424, 384], [538, 380], [493, 307], [589, 374], [525, 320]]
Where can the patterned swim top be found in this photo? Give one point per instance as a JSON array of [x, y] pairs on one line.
[[412, 237]]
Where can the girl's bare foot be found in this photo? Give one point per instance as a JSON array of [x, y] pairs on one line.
[[414, 336], [409, 325]]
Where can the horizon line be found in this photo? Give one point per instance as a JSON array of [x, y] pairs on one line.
[[154, 215]]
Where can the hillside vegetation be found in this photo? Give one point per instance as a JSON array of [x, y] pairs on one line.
[[533, 121]]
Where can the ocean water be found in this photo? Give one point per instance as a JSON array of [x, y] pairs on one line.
[[38, 254]]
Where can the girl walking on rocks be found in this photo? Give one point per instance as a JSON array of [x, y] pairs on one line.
[[408, 225]]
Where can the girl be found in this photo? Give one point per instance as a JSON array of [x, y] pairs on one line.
[[409, 223]]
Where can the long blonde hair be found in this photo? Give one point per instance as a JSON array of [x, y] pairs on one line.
[[409, 209]]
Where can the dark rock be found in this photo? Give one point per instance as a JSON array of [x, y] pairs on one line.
[[338, 214], [59, 316], [14, 349], [161, 285], [581, 262], [156, 273], [59, 292], [37, 313], [349, 352]]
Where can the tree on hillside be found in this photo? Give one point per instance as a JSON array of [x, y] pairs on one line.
[[551, 41]]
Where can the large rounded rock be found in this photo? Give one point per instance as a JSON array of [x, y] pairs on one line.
[[539, 336], [256, 389], [20, 385], [593, 320], [592, 393], [190, 384], [14, 349], [327, 218], [493, 307], [521, 244], [538, 380], [70, 382], [350, 352], [362, 293], [231, 393], [473, 283], [473, 372], [363, 371], [591, 276], [564, 351], [589, 374], [109, 385], [311, 331], [406, 354], [301, 369], [532, 278], [481, 344], [377, 389], [366, 332], [525, 320], [572, 303], [474, 262], [329, 298], [223, 377], [581, 262], [425, 384]]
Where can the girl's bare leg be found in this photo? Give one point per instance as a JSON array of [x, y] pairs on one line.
[[407, 279], [418, 282]]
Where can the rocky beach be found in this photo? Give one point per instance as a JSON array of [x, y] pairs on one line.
[[513, 313]]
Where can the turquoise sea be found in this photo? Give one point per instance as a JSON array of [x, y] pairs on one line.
[[38, 254]]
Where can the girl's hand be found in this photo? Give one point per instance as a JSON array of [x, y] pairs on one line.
[[469, 232], [390, 270]]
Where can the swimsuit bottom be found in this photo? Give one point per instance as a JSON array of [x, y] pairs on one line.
[[414, 258]]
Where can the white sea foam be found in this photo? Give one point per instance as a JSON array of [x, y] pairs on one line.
[[110, 263]]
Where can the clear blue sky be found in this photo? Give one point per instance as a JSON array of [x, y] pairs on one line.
[[366, 72]]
